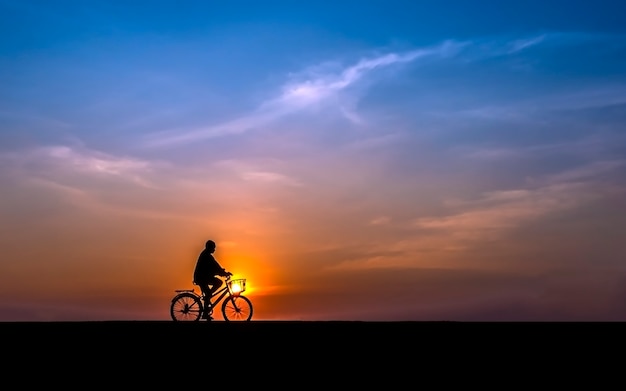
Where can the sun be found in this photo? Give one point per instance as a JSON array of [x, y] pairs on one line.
[[237, 286]]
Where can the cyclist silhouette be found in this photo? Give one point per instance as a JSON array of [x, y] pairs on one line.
[[205, 274]]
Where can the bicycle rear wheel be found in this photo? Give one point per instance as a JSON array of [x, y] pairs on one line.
[[186, 307], [237, 308]]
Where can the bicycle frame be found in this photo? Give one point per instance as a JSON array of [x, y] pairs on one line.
[[220, 294]]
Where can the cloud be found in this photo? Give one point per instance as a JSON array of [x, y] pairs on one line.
[[589, 172], [590, 146], [311, 88], [521, 44], [497, 213], [252, 173], [93, 161], [318, 85], [576, 98], [381, 220], [59, 159], [486, 223]]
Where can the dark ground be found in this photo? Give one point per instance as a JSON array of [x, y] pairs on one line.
[[161, 352]]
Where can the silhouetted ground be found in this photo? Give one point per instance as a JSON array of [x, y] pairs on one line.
[[159, 352]]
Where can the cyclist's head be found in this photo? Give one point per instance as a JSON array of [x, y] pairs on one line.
[[210, 244]]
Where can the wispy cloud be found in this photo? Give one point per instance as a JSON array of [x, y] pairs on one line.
[[381, 220], [52, 160], [313, 89], [593, 147], [496, 213], [317, 85], [255, 174], [501, 209], [577, 98], [588, 173], [317, 88], [521, 44], [463, 224]]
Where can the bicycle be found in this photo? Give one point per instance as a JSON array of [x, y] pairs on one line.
[[188, 305]]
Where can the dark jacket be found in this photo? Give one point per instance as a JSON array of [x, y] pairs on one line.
[[207, 267]]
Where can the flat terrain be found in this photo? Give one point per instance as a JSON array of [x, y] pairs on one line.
[[306, 335], [156, 351]]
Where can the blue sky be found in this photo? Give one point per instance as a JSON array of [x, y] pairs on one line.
[[474, 148]]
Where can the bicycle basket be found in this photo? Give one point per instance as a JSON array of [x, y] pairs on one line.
[[237, 286]]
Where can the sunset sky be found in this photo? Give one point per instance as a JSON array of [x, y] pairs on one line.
[[354, 160]]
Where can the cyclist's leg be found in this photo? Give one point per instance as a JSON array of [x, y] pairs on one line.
[[215, 283], [209, 288], [204, 287], [206, 292]]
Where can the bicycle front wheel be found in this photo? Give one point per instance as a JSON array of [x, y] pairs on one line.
[[237, 308], [186, 307]]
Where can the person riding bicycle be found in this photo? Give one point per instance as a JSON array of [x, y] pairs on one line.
[[205, 275]]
